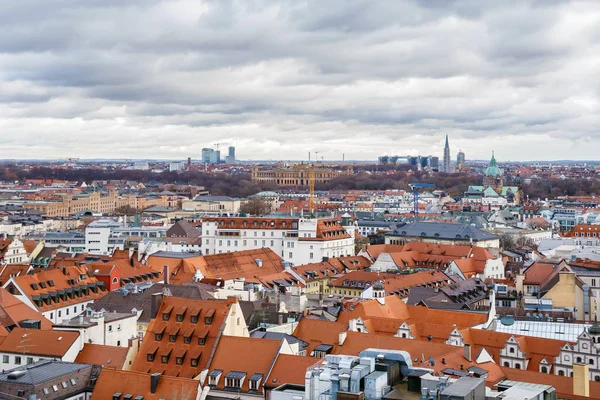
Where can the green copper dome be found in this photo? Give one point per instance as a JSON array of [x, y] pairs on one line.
[[492, 169]]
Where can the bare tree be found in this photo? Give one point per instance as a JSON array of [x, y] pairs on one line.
[[256, 206], [125, 210]]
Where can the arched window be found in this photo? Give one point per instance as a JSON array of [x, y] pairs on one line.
[[511, 350], [544, 370], [579, 359], [115, 280], [506, 364], [561, 373], [591, 361], [597, 378], [518, 366], [404, 335]]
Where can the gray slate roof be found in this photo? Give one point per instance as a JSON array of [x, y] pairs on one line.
[[42, 371], [442, 230]]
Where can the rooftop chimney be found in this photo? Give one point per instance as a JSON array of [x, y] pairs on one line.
[[467, 350], [166, 274], [155, 304], [581, 383], [154, 378], [342, 337]]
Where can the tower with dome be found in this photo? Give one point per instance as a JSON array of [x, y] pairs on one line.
[[493, 192]]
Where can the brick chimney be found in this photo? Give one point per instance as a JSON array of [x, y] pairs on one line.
[[581, 382], [166, 274], [155, 304]]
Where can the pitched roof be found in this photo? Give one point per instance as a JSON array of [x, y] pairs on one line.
[[55, 288], [43, 371], [105, 356], [252, 356], [38, 342], [442, 230], [316, 332], [166, 324], [183, 228], [237, 264], [13, 311], [113, 381], [289, 369], [124, 301]]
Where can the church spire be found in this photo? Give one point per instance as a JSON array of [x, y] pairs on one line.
[[447, 145]]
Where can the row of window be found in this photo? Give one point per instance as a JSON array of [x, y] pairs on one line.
[[18, 360]]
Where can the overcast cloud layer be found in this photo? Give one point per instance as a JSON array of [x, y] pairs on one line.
[[277, 79]]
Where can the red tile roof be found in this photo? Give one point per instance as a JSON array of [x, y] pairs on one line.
[[247, 355], [13, 311], [38, 342], [203, 337], [44, 288], [113, 381], [105, 356]]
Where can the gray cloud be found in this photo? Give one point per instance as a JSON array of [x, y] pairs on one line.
[[280, 78]]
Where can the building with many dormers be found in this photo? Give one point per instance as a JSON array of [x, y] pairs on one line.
[[57, 294], [297, 240]]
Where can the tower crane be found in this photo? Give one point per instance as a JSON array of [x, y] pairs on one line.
[[415, 188], [219, 144]]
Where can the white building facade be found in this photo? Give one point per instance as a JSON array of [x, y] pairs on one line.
[[296, 240]]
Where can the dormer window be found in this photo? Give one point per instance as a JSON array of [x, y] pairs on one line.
[[173, 338], [166, 316], [213, 377], [158, 337], [179, 360], [208, 318]]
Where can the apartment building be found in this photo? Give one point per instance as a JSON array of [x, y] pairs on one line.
[[297, 240]]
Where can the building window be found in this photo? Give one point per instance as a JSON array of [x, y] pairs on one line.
[[164, 359], [150, 357], [194, 362], [158, 337], [518, 366], [18, 360], [511, 350], [109, 328], [5, 359], [29, 360], [544, 370], [179, 360], [172, 338], [231, 382], [506, 364], [194, 319]]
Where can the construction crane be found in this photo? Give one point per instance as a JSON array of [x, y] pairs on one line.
[[311, 183], [219, 144], [415, 188]]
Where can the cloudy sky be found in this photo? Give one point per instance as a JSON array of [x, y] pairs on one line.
[[277, 79]]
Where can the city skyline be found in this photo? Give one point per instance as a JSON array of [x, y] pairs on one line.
[[280, 79]]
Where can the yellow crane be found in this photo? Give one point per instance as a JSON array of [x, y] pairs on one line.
[[311, 186]]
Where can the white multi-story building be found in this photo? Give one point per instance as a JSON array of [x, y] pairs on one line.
[[297, 240], [99, 238], [16, 253], [103, 328]]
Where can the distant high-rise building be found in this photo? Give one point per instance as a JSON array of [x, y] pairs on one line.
[[210, 156], [230, 159], [447, 165], [460, 160]]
